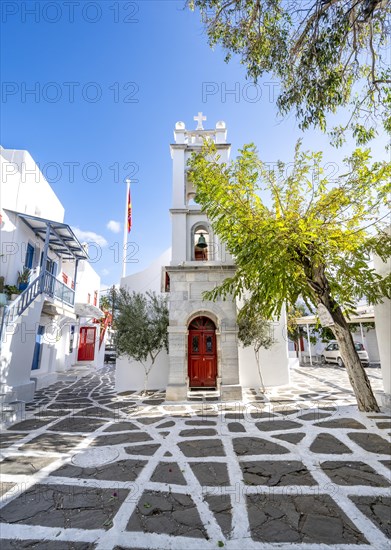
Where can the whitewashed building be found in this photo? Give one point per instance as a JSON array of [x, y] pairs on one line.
[[204, 352], [48, 327]]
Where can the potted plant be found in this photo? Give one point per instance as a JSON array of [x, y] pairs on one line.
[[23, 278], [12, 291]]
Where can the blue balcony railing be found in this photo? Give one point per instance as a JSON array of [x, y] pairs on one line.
[[57, 290], [45, 283]]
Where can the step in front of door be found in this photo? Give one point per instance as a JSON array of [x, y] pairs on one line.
[[199, 394]]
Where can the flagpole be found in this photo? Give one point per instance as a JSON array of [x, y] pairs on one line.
[[126, 233]]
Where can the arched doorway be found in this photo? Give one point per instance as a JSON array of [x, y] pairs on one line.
[[202, 354]]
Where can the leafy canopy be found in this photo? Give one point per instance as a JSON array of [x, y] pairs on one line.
[[326, 54], [141, 324], [283, 228], [254, 330]]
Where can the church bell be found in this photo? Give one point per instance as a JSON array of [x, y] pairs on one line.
[[202, 242]]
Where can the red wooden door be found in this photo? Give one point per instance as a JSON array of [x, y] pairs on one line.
[[86, 344], [202, 356]]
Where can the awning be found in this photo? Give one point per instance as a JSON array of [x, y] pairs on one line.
[[62, 242], [88, 310], [363, 315]]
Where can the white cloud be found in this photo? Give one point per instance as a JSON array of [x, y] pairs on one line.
[[114, 226], [105, 272], [89, 237]]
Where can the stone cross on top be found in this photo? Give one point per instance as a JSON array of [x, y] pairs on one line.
[[199, 118]]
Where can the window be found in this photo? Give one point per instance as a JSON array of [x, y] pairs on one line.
[[195, 344], [88, 298], [166, 282], [71, 337], [29, 260], [359, 346], [95, 298], [209, 344]]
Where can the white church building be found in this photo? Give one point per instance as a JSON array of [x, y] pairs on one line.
[[204, 352]]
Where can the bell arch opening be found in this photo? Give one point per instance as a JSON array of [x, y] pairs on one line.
[[201, 243]]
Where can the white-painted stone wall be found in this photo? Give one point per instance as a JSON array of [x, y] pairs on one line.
[[274, 362], [129, 374], [383, 327], [24, 189]]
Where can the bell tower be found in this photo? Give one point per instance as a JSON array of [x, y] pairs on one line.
[[200, 261], [192, 236]]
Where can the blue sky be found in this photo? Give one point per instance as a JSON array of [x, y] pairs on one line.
[[110, 80]]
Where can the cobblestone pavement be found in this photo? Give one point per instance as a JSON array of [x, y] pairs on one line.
[[298, 467]]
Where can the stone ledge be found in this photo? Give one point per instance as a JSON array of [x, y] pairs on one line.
[[231, 392]]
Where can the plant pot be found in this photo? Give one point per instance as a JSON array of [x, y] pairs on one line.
[[3, 299], [23, 286], [14, 296]]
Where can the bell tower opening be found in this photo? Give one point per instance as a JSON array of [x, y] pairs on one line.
[[201, 244]]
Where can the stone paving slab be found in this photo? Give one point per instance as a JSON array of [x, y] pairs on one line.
[[276, 473], [304, 519], [168, 472], [64, 506], [169, 513], [378, 511], [24, 465], [122, 470], [353, 473], [9, 544], [52, 443], [299, 465]]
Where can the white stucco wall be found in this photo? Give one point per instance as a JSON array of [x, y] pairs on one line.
[[130, 374], [88, 282], [148, 279], [383, 326], [24, 188], [369, 342], [274, 362]]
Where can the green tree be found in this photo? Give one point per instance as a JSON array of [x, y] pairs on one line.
[[141, 325], [256, 331], [306, 239], [107, 301], [325, 54]]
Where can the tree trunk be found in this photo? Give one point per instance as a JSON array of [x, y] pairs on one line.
[[146, 374], [358, 378], [147, 371], [259, 371], [317, 280]]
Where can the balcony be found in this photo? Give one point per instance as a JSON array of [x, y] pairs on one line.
[[56, 289]]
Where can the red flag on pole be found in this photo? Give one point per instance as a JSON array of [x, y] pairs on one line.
[[129, 213]]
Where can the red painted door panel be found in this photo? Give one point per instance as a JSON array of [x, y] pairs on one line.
[[86, 344], [202, 357]]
